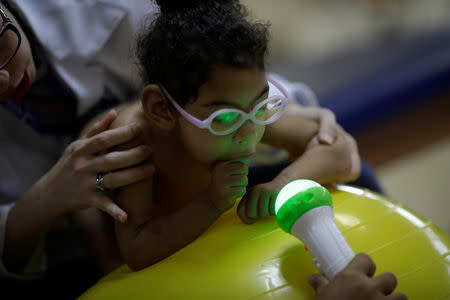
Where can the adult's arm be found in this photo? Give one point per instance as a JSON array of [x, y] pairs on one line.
[[69, 186]]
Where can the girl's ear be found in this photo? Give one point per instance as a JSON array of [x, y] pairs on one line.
[[156, 107]]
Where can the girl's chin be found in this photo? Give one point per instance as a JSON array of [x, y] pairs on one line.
[[22, 88]]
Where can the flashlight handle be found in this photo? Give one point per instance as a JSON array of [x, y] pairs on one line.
[[318, 231]]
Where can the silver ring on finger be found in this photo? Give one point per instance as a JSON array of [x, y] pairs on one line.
[[99, 182]]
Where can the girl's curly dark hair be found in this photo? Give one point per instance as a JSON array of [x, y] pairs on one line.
[[190, 37]]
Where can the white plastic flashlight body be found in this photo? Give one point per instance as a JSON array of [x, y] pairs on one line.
[[318, 231]]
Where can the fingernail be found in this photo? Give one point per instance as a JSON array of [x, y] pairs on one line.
[[328, 139], [122, 218], [113, 112]]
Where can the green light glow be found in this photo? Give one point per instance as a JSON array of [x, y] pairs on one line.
[[227, 117], [291, 189], [297, 198]]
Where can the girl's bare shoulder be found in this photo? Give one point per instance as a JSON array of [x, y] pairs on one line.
[[126, 114]]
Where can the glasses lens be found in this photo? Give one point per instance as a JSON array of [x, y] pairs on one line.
[[226, 121], [9, 41], [270, 110]]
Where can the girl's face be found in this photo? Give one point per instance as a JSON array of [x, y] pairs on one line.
[[228, 87], [21, 69]]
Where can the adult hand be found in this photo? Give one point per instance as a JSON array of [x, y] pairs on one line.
[[325, 117], [355, 282], [346, 156], [329, 131], [352, 148], [71, 183]]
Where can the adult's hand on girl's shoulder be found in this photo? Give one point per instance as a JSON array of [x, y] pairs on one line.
[[88, 166]]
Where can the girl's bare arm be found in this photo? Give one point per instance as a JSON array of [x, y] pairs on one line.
[[145, 239]]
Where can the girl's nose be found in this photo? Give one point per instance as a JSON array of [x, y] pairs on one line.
[[245, 133]]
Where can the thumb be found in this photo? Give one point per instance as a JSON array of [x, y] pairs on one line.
[[325, 137], [317, 281], [241, 211], [327, 127]]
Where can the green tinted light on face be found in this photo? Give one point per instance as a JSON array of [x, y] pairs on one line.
[[296, 199]]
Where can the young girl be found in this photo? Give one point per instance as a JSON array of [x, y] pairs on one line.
[[205, 108]]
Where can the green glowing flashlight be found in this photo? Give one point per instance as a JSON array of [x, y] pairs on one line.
[[304, 209]]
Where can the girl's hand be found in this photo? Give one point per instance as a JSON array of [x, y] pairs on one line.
[[228, 183], [259, 201], [71, 184]]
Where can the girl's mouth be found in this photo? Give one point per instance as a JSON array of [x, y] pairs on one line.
[[22, 88]]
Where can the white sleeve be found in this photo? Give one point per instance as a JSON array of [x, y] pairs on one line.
[[87, 63], [37, 264], [299, 92]]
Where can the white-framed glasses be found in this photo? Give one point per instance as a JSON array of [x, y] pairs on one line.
[[227, 120]]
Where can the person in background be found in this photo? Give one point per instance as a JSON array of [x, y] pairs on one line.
[[44, 174]]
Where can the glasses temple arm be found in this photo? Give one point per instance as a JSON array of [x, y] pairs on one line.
[[280, 87], [185, 114]]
